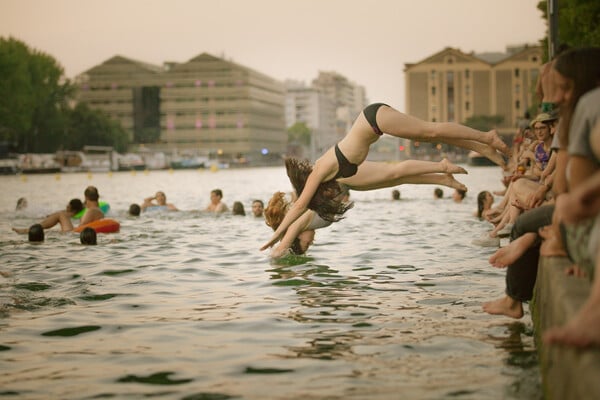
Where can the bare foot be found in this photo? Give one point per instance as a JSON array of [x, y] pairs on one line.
[[504, 306], [497, 143], [510, 253], [450, 168], [450, 181], [582, 331], [493, 155], [552, 245], [20, 230]]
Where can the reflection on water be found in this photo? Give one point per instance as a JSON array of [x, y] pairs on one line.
[[386, 304]]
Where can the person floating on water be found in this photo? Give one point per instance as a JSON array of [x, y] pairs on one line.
[[157, 202], [318, 187]]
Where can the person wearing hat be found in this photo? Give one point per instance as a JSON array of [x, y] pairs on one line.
[[531, 181], [540, 151]]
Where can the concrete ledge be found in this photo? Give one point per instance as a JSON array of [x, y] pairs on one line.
[[566, 373]]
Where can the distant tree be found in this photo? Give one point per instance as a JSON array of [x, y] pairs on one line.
[[484, 122], [33, 98], [299, 133], [577, 23], [93, 127]]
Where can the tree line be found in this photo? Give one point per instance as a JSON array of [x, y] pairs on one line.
[[37, 114]]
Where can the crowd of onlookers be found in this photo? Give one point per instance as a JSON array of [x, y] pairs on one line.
[[551, 199]]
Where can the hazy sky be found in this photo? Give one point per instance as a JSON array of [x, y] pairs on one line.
[[368, 41]]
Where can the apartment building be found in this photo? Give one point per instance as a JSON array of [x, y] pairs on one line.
[[309, 105], [453, 86], [349, 98], [207, 105]]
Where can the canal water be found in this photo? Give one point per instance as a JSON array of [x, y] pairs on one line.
[[182, 305]]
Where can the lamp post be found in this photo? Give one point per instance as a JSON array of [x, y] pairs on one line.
[[552, 9]]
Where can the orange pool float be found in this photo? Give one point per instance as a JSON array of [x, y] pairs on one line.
[[104, 225]]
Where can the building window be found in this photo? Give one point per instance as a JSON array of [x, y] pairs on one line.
[[518, 104], [433, 90], [517, 88], [517, 72], [467, 74], [433, 74], [467, 90], [450, 94], [467, 106]]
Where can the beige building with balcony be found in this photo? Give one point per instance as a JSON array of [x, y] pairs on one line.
[[454, 86], [207, 105]]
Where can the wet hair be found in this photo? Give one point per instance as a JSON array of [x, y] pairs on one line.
[[238, 208], [276, 209], [462, 193], [88, 236], [481, 196], [75, 205], [262, 204], [396, 194], [582, 66], [135, 210], [36, 233], [21, 203], [218, 192], [438, 193], [326, 200], [91, 193], [296, 248]]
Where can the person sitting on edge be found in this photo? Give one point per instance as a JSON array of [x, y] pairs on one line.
[[88, 236], [216, 205], [62, 217], [258, 208], [36, 233], [135, 210], [157, 202]]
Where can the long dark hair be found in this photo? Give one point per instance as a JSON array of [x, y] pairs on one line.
[[582, 66], [327, 200], [481, 202]]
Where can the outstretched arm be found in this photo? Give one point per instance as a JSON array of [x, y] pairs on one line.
[[292, 233], [320, 171], [148, 202]]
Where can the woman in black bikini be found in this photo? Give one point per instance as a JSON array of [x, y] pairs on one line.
[[319, 188]]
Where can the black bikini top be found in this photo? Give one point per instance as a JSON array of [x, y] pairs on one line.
[[345, 168]]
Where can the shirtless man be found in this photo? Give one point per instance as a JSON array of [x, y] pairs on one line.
[[93, 211], [62, 217], [216, 205]]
